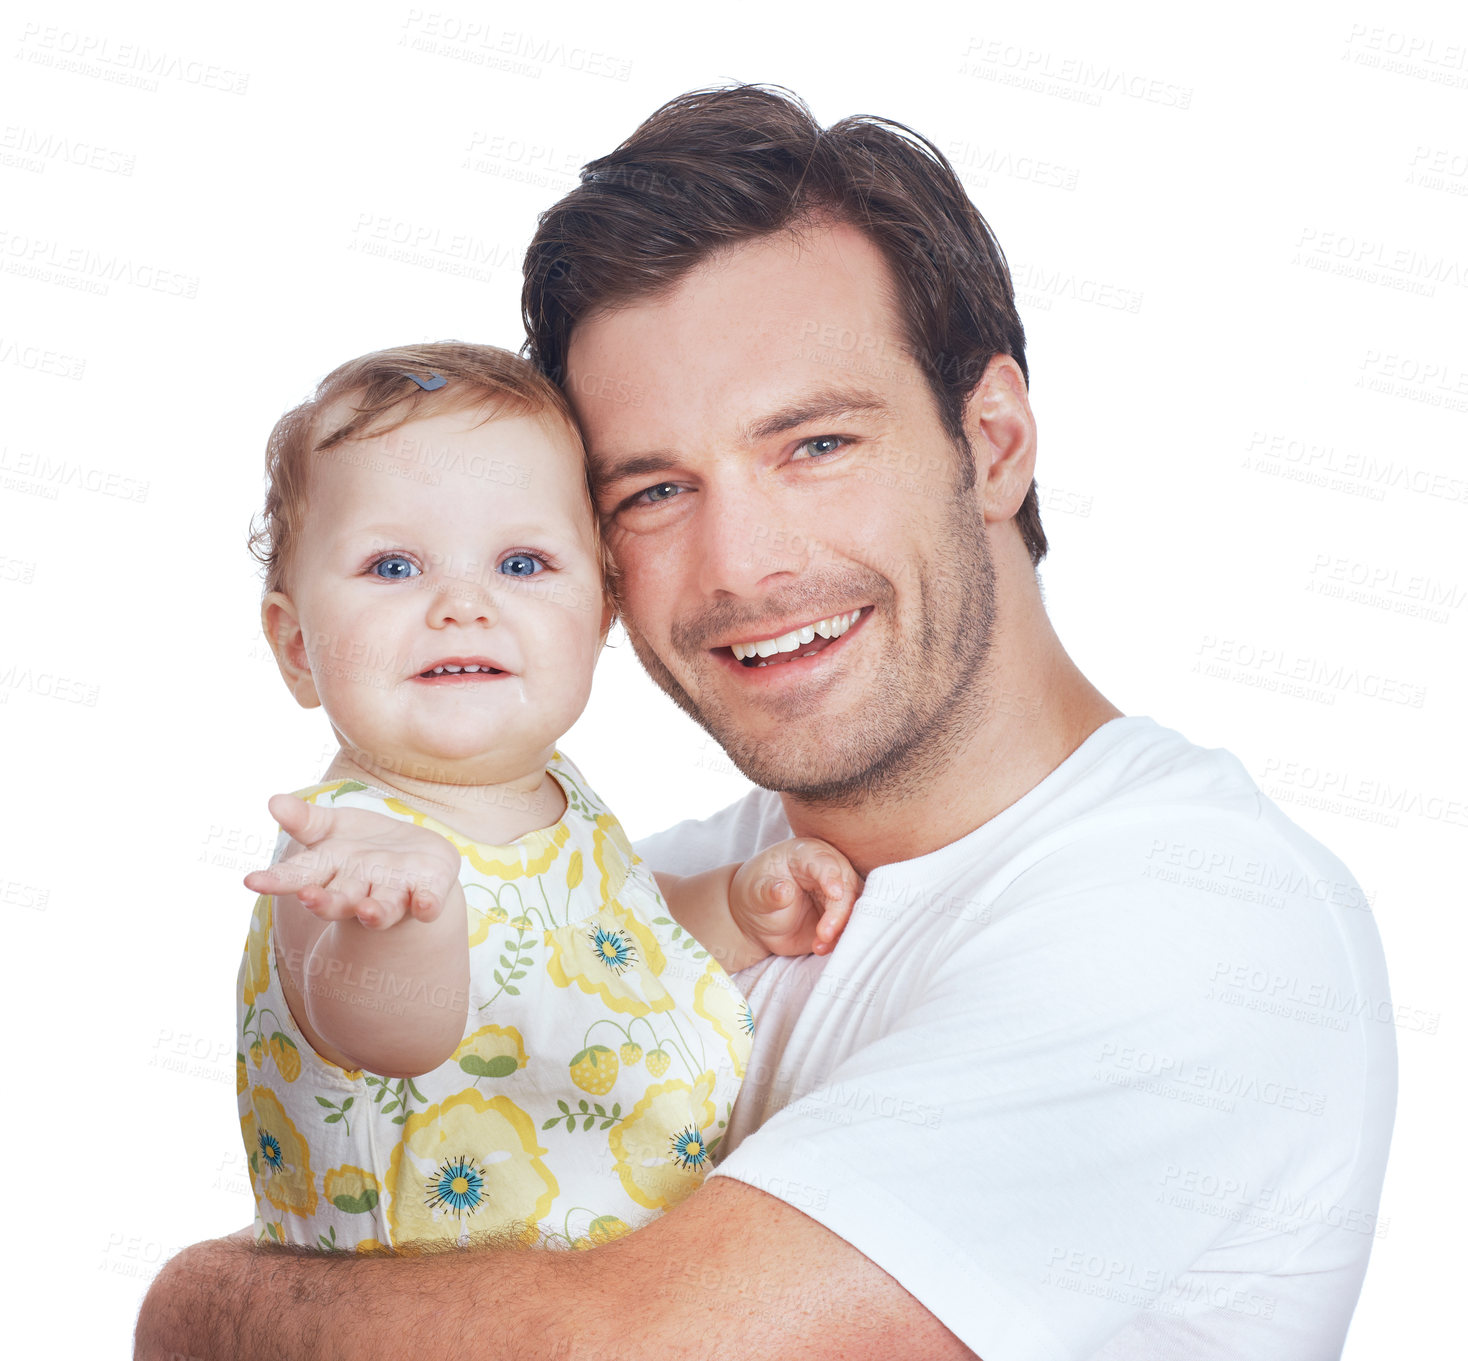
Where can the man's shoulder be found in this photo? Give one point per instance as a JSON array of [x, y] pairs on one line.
[[1137, 783], [733, 833]]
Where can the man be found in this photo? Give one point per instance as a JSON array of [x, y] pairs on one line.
[[1033, 1106]]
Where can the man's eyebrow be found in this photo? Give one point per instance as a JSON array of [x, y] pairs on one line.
[[606, 472], [820, 406]]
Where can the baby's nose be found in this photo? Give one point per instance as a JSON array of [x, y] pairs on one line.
[[463, 601]]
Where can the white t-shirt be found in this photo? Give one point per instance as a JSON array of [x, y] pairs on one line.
[[1112, 1076]]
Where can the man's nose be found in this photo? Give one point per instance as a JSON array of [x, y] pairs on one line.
[[747, 538], [459, 600]]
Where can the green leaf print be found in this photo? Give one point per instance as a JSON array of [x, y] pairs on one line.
[[502, 1065], [350, 787], [338, 1113], [589, 1114], [357, 1205]]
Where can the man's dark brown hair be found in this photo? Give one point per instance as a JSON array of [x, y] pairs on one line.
[[717, 167]]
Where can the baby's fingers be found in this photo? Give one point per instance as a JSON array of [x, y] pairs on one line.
[[836, 904], [293, 875], [772, 893], [340, 897], [424, 905]]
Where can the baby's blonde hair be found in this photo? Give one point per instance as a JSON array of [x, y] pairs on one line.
[[383, 395]]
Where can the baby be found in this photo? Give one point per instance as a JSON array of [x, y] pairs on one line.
[[547, 1055]]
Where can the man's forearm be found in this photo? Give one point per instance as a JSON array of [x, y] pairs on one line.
[[731, 1274], [226, 1299]]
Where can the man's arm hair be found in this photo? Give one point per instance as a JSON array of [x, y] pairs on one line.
[[731, 1273]]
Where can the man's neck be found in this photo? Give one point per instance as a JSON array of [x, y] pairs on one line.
[[1025, 733]]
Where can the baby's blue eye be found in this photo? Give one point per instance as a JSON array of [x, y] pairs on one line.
[[395, 568], [521, 565]]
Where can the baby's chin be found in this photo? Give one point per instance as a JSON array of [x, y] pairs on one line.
[[451, 763]]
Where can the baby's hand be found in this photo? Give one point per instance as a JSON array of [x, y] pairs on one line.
[[795, 897], [357, 863]]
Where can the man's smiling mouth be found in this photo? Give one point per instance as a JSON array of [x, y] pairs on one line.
[[804, 641]]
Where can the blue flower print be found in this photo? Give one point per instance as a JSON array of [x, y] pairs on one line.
[[615, 949], [457, 1187], [689, 1149]]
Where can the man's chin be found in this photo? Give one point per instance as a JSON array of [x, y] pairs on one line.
[[787, 753]]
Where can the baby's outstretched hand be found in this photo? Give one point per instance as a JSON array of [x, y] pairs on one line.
[[357, 863], [795, 897]]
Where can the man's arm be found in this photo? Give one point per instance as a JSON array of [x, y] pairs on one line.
[[732, 1272]]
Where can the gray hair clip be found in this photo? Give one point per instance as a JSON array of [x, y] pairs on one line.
[[432, 383]]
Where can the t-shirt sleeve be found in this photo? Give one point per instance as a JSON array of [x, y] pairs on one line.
[[1004, 1143], [732, 834]]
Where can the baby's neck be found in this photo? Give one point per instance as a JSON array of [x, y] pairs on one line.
[[495, 814]]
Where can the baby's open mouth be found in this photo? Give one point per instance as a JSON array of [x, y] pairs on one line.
[[481, 667], [805, 641]]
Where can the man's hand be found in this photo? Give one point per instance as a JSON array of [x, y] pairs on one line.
[[361, 864], [795, 897]]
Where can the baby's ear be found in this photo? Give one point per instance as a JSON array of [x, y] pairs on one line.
[[282, 627]]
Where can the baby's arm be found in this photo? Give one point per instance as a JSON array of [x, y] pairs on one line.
[[793, 898], [375, 982]]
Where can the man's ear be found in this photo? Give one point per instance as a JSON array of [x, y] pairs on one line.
[[282, 627], [1001, 431]]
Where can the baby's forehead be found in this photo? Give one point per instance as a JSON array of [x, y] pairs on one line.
[[453, 431], [526, 465]]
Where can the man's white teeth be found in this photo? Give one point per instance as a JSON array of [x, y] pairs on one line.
[[833, 627], [454, 670]]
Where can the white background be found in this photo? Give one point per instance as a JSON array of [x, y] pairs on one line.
[[205, 210]]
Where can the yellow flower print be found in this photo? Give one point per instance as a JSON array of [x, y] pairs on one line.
[[573, 870], [607, 1228], [715, 999], [481, 919], [255, 966], [371, 1245], [613, 854], [491, 1051], [532, 854], [467, 1165], [281, 1156], [287, 1057], [241, 1074], [353, 1190], [659, 1148], [612, 955]]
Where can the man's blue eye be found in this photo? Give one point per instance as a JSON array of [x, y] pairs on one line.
[[833, 440], [521, 565], [395, 568], [662, 492]]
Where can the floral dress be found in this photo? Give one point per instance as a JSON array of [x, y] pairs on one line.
[[600, 1060]]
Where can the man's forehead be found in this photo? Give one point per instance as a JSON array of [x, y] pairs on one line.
[[740, 341]]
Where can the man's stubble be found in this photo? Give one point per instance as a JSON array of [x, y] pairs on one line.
[[912, 728]]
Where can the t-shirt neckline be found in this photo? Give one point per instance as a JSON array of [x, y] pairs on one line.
[[1094, 748]]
